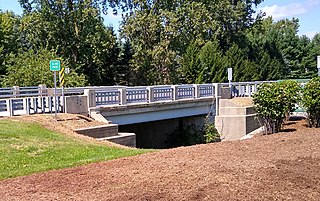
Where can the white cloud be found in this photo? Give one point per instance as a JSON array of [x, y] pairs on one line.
[[310, 34], [310, 3], [278, 12]]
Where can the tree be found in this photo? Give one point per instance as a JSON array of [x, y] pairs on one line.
[[30, 68], [190, 64], [9, 23], [123, 71], [212, 64], [75, 30], [161, 33]]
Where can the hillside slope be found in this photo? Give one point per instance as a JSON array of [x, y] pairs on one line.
[[283, 166]]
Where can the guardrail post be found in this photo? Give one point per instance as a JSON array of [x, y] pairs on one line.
[[196, 90], [10, 108], [123, 96], [91, 97], [27, 105], [150, 94], [15, 91]]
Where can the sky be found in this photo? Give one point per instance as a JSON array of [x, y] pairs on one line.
[[307, 11]]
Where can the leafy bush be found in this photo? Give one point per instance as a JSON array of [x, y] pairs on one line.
[[311, 101], [273, 103], [211, 133], [187, 135]]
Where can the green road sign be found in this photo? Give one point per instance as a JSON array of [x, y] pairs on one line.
[[55, 65]]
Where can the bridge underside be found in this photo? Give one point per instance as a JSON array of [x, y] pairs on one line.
[[132, 114]]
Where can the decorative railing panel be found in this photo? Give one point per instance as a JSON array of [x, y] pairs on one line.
[[108, 98]]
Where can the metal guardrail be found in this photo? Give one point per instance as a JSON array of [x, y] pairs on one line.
[[29, 105]]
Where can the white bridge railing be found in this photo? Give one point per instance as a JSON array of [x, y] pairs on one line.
[[39, 99], [244, 89], [134, 95]]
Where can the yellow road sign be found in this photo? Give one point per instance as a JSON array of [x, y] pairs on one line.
[[61, 77]]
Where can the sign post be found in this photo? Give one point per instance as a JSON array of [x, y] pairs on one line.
[[61, 81], [318, 65], [55, 66], [230, 76]]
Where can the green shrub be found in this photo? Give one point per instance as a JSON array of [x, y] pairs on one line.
[[187, 135], [274, 102], [210, 133], [311, 101]]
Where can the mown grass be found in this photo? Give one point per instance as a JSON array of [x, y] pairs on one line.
[[27, 148]]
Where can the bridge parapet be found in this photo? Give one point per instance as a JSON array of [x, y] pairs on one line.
[[150, 94], [110, 96]]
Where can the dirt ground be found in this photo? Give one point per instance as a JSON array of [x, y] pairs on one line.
[[283, 166]]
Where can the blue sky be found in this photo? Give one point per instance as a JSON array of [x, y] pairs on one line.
[[308, 12]]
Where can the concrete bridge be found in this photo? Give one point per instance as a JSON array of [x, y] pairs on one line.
[[159, 107]]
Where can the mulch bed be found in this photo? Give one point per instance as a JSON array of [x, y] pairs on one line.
[[283, 166]]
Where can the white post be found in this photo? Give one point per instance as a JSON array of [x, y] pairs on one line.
[[196, 90], [249, 90], [16, 91], [43, 90], [151, 94], [217, 89], [10, 109], [123, 96], [27, 100], [174, 92], [91, 97]]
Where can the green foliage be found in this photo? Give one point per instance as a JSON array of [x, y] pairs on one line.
[[210, 133], [75, 30], [32, 68], [28, 148], [274, 101], [9, 23], [166, 42], [187, 135], [212, 64], [311, 101]]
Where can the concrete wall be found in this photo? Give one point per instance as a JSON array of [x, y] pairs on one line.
[[235, 121], [76, 105], [150, 112], [102, 131]]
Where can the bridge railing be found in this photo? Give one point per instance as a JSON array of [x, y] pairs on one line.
[[16, 91], [163, 93], [244, 89], [39, 99], [29, 105]]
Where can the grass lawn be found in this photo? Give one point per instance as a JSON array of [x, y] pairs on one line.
[[26, 148]]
